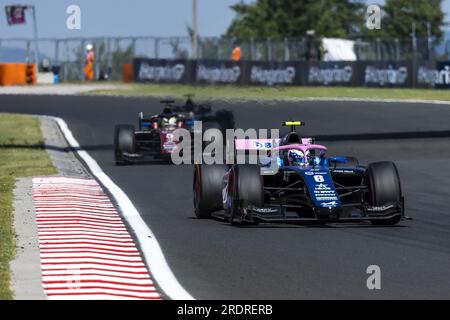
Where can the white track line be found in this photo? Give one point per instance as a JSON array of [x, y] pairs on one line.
[[148, 243]]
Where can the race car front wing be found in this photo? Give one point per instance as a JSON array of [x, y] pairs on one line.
[[349, 212]]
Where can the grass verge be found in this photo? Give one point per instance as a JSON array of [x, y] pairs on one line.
[[270, 93], [22, 154]]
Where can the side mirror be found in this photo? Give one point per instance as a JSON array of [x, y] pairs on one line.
[[338, 159]]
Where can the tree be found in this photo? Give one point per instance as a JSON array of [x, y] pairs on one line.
[[292, 18], [399, 15]]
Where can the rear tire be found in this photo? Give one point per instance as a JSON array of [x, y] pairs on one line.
[[247, 187], [212, 125], [383, 181], [124, 141], [208, 189]]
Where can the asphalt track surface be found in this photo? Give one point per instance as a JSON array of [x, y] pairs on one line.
[[214, 260]]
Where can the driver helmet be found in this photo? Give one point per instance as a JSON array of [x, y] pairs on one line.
[[172, 121], [295, 157], [164, 122]]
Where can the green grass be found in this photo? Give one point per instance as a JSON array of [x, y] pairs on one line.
[[240, 92], [21, 155]]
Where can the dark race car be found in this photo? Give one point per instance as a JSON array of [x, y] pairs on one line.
[[154, 137], [221, 119], [307, 186]]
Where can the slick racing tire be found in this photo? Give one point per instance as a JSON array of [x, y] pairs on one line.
[[208, 189], [212, 125], [245, 187], [124, 142], [383, 181], [215, 135]]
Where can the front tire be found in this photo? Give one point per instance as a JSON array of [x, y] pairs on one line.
[[383, 181], [208, 189], [124, 142], [246, 187]]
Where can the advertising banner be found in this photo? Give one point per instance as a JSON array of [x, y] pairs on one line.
[[217, 71], [385, 74], [434, 75], [270, 74], [159, 70], [328, 73], [300, 73]]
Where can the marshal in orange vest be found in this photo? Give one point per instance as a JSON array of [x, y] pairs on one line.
[[236, 54]]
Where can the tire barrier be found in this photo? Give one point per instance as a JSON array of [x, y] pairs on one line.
[[17, 74]]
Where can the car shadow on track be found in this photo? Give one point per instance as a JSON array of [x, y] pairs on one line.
[[316, 226], [144, 163], [311, 225], [55, 148]]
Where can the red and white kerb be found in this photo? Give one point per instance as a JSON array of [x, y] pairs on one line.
[[86, 251]]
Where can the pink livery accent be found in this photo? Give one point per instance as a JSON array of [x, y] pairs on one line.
[[266, 144], [303, 147], [255, 144]]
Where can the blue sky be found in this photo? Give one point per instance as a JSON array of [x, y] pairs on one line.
[[132, 17]]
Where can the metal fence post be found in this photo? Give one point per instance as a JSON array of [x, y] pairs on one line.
[[269, 49], [378, 49], [303, 50], [414, 47], [218, 51], [200, 48], [286, 50], [82, 44], [109, 54], [56, 52], [156, 48], [446, 49], [358, 49], [28, 44], [429, 41], [397, 49], [133, 46], [97, 56], [66, 59]]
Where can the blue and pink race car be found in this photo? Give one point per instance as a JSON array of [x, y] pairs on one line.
[[305, 185]]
